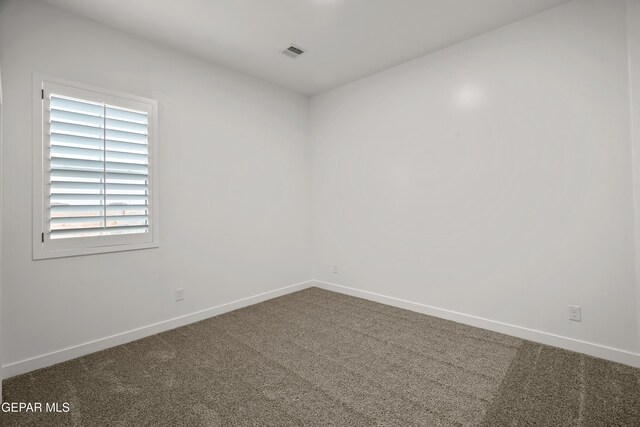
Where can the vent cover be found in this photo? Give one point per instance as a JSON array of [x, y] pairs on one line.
[[293, 51]]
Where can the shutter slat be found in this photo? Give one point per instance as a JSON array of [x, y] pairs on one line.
[[127, 211], [77, 222], [79, 165], [98, 231], [119, 188], [63, 175], [76, 153], [75, 175], [118, 135], [76, 211], [98, 199], [126, 220], [127, 200], [76, 130], [76, 141], [126, 115], [58, 211], [137, 128], [58, 187], [129, 168], [62, 140], [97, 155], [126, 147], [66, 187], [129, 158], [61, 116], [126, 178], [76, 199], [90, 165], [78, 106], [114, 220]]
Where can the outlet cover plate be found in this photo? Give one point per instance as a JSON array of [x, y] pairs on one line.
[[575, 313]]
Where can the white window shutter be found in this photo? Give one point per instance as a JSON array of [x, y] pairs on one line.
[[95, 162], [98, 169]]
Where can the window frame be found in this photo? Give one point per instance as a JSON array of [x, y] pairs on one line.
[[43, 247]]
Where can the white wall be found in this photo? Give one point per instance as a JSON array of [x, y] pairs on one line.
[[492, 178], [234, 186], [633, 33]]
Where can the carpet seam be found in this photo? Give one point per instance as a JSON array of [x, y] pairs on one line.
[[414, 351], [381, 385], [448, 387], [274, 361], [195, 362]]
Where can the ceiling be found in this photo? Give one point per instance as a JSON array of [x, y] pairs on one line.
[[346, 39]]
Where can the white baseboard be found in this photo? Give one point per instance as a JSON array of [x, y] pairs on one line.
[[58, 356], [596, 350]]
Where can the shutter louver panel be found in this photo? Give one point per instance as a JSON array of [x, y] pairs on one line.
[[126, 147], [98, 169]]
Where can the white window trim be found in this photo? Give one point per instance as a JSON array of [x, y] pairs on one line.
[[87, 245]]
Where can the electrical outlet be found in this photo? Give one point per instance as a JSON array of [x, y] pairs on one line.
[[179, 294], [335, 269], [575, 313]]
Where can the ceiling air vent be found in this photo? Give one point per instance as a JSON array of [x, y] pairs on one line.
[[293, 51]]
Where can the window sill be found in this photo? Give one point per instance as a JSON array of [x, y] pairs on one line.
[[64, 253]]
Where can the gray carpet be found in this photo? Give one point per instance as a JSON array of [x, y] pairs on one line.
[[321, 358]]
